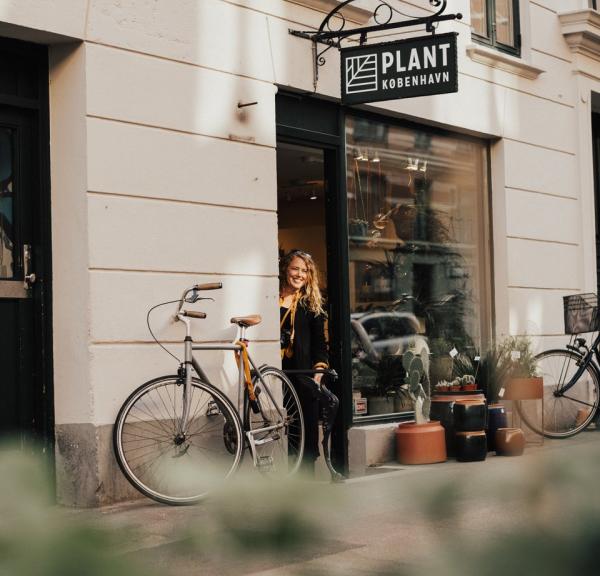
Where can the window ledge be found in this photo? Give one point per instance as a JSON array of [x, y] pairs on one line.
[[352, 13], [581, 29], [497, 59]]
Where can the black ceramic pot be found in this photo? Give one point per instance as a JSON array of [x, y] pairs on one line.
[[496, 419], [471, 446], [441, 410], [470, 415]]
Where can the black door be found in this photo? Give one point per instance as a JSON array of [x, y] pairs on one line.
[[25, 374]]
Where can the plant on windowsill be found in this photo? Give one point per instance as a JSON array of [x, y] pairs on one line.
[[389, 380], [441, 361]]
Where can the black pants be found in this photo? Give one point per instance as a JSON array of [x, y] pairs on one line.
[[308, 392]]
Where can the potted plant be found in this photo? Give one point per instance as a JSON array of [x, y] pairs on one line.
[[441, 361], [441, 387], [422, 442], [389, 379], [491, 370], [455, 385], [523, 381], [467, 383]]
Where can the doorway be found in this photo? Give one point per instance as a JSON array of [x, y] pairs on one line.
[[26, 410], [301, 189]]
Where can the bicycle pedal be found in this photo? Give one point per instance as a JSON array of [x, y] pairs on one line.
[[267, 440], [212, 409]]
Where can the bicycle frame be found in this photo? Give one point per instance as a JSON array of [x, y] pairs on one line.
[[191, 362]]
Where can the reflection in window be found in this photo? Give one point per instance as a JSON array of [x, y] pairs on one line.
[[6, 204], [496, 22], [504, 22], [479, 17], [418, 262]]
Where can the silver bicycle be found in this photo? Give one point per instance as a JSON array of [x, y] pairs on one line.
[[178, 437]]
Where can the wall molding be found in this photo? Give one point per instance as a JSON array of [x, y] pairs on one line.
[[581, 29]]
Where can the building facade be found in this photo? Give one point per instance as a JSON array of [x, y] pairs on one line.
[[148, 146]]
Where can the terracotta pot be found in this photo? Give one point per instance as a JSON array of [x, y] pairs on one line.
[[420, 443], [524, 389], [469, 387], [471, 446], [496, 419], [510, 442], [469, 415]]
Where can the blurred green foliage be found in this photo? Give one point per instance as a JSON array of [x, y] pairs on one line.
[[539, 514], [37, 538]]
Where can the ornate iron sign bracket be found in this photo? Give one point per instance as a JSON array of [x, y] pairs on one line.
[[385, 19]]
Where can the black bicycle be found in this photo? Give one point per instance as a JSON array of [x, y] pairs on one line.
[[571, 375]]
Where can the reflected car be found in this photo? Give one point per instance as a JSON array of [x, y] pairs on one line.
[[377, 334]]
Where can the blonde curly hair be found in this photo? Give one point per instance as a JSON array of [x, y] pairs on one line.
[[310, 294]]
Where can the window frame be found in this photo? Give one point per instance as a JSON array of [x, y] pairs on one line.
[[491, 40]]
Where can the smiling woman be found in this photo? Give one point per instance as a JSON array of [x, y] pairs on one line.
[[303, 340]]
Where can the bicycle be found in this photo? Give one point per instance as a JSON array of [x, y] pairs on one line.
[[571, 387], [177, 437]]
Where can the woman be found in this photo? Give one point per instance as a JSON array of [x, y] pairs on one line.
[[303, 341]]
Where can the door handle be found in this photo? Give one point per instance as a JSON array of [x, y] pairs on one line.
[[29, 277]]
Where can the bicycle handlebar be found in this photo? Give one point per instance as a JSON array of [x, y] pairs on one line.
[[196, 288], [193, 314], [209, 286]]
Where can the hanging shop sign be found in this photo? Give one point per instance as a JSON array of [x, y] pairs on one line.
[[404, 69], [413, 67]]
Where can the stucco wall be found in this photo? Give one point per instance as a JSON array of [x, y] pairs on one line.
[[159, 180]]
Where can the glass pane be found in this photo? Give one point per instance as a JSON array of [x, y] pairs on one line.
[[7, 237], [505, 33], [418, 258], [479, 17]]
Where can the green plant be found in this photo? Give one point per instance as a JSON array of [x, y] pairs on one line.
[[522, 359], [440, 346], [390, 375], [490, 369], [417, 382]]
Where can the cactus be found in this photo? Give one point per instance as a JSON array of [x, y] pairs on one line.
[[417, 380]]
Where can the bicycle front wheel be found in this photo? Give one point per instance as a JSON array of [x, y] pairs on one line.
[[166, 463], [566, 411], [276, 424]]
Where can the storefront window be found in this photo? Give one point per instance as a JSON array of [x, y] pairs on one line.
[[418, 256]]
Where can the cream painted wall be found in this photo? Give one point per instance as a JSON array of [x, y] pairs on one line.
[[172, 162], [71, 304], [160, 180]]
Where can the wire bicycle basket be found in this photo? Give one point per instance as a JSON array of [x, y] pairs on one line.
[[581, 313]]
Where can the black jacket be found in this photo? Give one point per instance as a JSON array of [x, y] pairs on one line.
[[310, 345]]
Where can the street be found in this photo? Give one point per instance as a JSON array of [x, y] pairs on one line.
[[532, 514]]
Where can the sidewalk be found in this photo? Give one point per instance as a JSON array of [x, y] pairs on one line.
[[374, 520]]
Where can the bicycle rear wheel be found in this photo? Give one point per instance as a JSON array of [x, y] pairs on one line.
[[565, 412], [280, 449], [162, 462]]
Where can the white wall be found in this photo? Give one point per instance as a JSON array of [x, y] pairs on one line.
[[160, 180]]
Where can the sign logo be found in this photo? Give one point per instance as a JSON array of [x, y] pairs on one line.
[[361, 74], [404, 69]]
